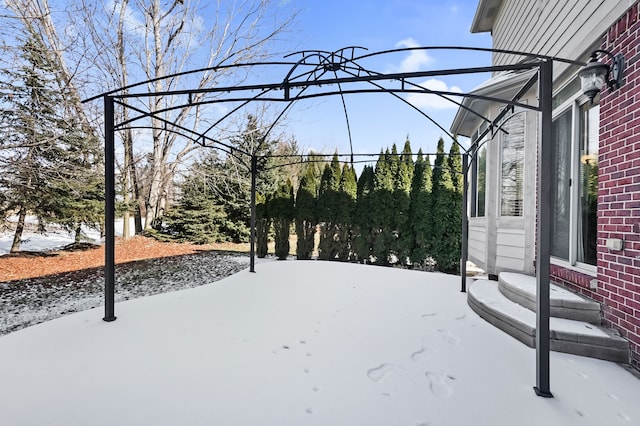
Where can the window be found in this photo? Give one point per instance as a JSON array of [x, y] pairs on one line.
[[588, 215], [481, 190], [575, 183], [512, 161], [478, 189], [561, 181]]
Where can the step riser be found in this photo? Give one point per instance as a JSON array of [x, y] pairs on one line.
[[577, 310], [577, 314], [606, 348]]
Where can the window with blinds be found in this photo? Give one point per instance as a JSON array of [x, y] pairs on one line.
[[512, 162]]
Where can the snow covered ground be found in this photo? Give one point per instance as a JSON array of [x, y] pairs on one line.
[[32, 301], [55, 237], [299, 343]]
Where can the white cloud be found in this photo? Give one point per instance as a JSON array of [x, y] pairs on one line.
[[416, 59], [431, 100]]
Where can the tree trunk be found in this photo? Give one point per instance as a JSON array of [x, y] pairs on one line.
[[125, 225], [17, 236]]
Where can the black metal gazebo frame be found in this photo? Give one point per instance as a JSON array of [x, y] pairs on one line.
[[311, 70]]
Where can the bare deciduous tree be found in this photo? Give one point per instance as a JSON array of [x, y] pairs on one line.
[[101, 45], [155, 39]]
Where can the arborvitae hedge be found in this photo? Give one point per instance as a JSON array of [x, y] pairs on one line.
[[363, 221], [420, 213], [445, 225], [306, 214], [346, 211], [401, 247], [399, 212], [328, 209], [281, 210], [384, 209], [263, 226]]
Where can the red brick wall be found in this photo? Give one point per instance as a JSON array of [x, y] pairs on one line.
[[618, 193]]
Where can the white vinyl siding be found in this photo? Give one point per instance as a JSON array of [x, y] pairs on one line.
[[555, 28], [478, 241], [510, 251]]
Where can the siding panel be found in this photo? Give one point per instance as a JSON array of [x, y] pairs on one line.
[[556, 28]]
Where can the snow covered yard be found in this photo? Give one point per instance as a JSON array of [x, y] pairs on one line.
[[299, 343]]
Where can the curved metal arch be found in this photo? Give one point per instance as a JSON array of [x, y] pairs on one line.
[[326, 60], [434, 92], [113, 92], [359, 67], [528, 55], [294, 64], [197, 140], [384, 89], [176, 126], [245, 101]]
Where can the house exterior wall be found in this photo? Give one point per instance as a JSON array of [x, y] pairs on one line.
[[619, 187], [554, 28], [478, 241], [500, 243], [573, 29]]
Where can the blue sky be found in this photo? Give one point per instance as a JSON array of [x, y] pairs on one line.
[[379, 120]]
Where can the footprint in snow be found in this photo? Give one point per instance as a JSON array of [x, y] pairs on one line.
[[439, 384], [623, 416], [449, 337], [613, 396], [377, 374], [422, 355]]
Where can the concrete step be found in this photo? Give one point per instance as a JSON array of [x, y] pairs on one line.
[[569, 336], [521, 289]]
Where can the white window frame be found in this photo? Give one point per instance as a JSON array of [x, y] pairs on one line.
[[575, 103], [524, 165]]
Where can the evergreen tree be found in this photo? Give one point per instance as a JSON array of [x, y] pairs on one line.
[[306, 213], [281, 210], [346, 210], [455, 166], [49, 165], [263, 226], [196, 218], [228, 181], [364, 216], [384, 209], [402, 242], [327, 209], [445, 242], [420, 217], [213, 189]]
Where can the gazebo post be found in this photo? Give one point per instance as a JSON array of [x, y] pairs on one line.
[[465, 222], [545, 157], [252, 238], [109, 211]]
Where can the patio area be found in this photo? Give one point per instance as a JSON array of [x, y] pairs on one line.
[[300, 343]]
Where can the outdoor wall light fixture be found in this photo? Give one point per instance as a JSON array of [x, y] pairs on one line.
[[595, 74]]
